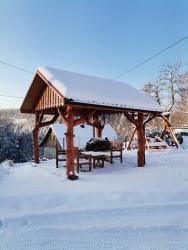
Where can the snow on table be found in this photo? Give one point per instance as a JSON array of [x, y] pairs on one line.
[[118, 207]]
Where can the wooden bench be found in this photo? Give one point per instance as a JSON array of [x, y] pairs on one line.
[[155, 144], [116, 149], [62, 154], [89, 157], [81, 160]]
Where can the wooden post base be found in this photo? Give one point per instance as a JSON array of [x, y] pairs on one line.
[[73, 177], [36, 145], [141, 157]]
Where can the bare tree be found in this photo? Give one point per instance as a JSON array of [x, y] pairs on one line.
[[173, 82], [185, 90], [170, 90], [154, 89]]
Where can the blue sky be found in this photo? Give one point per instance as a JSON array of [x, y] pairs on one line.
[[95, 37]]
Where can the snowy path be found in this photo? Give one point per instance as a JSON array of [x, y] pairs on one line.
[[119, 228], [120, 207]]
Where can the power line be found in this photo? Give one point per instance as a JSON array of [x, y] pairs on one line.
[[118, 76], [16, 67], [150, 58], [12, 96]]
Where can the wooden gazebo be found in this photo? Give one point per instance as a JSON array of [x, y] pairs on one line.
[[77, 99]]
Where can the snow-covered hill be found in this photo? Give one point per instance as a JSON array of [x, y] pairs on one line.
[[118, 207]]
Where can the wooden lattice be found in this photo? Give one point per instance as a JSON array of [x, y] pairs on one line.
[[49, 99]]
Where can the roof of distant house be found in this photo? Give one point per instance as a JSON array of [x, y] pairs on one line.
[[82, 134]]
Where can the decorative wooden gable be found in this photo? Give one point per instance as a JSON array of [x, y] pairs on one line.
[[49, 99]]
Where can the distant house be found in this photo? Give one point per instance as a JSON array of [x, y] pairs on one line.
[[56, 135]]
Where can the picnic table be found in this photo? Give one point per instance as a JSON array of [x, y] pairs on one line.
[[97, 158]]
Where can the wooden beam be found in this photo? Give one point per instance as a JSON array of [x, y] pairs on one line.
[[84, 118], [167, 126], [131, 118], [38, 124], [165, 119], [149, 118], [131, 139], [98, 126], [106, 108], [98, 132], [141, 140], [174, 137], [70, 144], [62, 116], [35, 137], [47, 123]]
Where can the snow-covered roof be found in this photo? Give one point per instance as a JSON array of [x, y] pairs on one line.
[[82, 135], [97, 91]]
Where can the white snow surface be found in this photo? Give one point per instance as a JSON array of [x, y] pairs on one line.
[[118, 207], [95, 90], [82, 135]]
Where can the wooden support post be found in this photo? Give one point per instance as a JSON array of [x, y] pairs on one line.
[[98, 127], [141, 140], [164, 130], [167, 126], [38, 125], [98, 132], [174, 137], [70, 145], [93, 132], [131, 139], [35, 139]]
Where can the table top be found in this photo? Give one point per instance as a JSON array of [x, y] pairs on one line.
[[92, 153]]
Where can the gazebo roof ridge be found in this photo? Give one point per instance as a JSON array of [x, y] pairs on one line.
[[90, 90]]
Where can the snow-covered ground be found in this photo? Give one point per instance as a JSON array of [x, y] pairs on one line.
[[118, 207]]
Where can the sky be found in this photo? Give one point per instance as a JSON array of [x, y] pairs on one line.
[[96, 37]]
